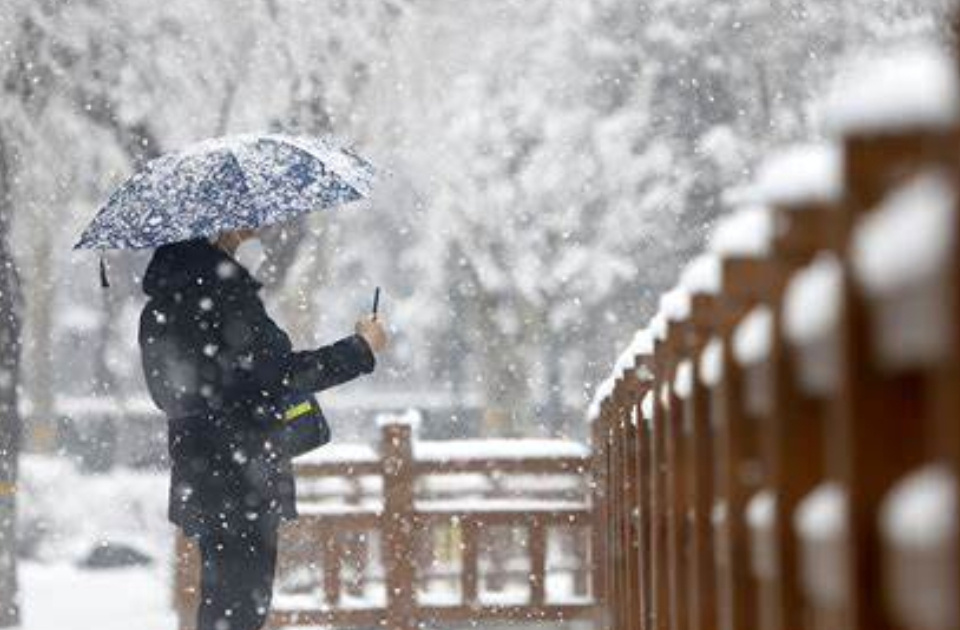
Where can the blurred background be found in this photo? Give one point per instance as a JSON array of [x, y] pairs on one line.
[[545, 170]]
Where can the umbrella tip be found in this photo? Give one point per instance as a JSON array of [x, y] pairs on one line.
[[104, 283]]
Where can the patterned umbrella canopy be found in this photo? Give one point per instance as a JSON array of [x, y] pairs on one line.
[[227, 184]]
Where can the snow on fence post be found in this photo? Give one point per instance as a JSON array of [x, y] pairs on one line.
[[743, 243], [398, 527], [804, 188], [887, 144]]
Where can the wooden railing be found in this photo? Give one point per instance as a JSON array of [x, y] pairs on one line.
[[781, 444], [430, 532]]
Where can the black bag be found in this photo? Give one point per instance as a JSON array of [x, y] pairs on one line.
[[302, 426]]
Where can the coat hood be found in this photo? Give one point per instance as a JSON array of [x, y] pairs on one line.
[[176, 266]]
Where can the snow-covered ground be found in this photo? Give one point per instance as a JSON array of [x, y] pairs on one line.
[[63, 597], [64, 514]]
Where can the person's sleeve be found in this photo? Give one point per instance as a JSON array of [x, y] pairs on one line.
[[262, 359], [329, 366]]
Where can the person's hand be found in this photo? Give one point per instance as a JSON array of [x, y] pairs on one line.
[[373, 331]]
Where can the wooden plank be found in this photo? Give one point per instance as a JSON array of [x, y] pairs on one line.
[[598, 498], [658, 547], [332, 553], [376, 617], [674, 481], [555, 612], [537, 541], [633, 396], [702, 590], [469, 563], [644, 476], [613, 526], [792, 441], [336, 618], [398, 525], [358, 521], [876, 410], [745, 282], [572, 517], [529, 465], [338, 469], [526, 466]]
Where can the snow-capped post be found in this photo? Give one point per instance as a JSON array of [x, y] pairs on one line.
[[396, 454], [900, 155], [804, 187]]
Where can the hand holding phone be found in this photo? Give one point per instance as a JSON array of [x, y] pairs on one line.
[[372, 328]]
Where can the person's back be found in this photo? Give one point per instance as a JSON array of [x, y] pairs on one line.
[[218, 367]]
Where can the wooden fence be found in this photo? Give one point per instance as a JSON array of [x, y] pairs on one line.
[[781, 445], [430, 533]]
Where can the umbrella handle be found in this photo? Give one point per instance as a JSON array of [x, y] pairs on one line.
[[104, 283]]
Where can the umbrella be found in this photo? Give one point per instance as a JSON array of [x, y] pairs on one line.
[[227, 184]]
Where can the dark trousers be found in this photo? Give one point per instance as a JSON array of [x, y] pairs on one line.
[[236, 576]]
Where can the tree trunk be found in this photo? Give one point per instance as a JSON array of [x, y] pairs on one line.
[[504, 375], [554, 407], [38, 366], [10, 424]]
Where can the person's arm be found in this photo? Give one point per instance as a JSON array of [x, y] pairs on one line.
[[260, 356], [329, 366]]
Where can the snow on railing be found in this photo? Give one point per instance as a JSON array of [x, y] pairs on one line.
[[910, 237], [802, 176], [911, 88]]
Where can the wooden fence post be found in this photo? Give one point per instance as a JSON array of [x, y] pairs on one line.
[[396, 451], [601, 514], [735, 449], [700, 490], [645, 526], [660, 596], [876, 410], [675, 480], [186, 584]]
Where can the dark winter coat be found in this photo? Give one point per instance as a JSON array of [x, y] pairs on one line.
[[217, 364]]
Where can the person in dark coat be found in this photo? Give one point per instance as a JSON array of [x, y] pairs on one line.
[[217, 365]]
